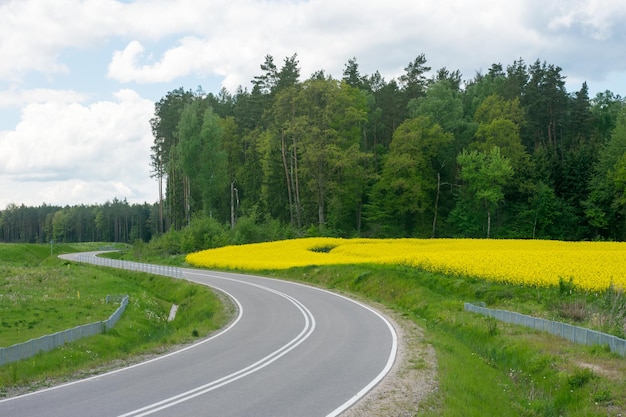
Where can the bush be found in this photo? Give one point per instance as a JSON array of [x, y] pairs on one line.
[[247, 230], [207, 233], [203, 233], [167, 244]]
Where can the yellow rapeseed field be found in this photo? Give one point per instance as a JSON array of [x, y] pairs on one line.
[[591, 265]]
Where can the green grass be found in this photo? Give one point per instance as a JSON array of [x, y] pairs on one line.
[[43, 298], [489, 368], [485, 367]]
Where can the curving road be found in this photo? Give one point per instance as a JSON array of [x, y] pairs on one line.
[[293, 351]]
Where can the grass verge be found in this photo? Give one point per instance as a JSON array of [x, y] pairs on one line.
[[44, 295], [485, 367]]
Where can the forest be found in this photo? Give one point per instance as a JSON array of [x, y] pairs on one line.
[[116, 221], [505, 154]]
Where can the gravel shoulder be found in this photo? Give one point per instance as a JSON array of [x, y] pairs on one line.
[[411, 380]]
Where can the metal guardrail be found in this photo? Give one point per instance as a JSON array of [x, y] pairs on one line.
[[575, 334], [168, 271], [49, 342], [52, 341]]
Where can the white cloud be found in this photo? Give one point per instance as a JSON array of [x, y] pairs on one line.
[[80, 192], [188, 57], [598, 17], [34, 32], [230, 38], [31, 34], [326, 33], [64, 148], [17, 98], [77, 151]]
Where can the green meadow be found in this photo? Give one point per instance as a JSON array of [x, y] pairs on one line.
[[484, 367], [41, 294]]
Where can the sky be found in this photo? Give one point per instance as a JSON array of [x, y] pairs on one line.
[[79, 78]]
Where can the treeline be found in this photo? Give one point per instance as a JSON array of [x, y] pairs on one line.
[[508, 154], [116, 221]]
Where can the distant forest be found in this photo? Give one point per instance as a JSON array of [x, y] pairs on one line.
[[506, 154]]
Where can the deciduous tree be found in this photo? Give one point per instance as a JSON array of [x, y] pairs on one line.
[[402, 201], [485, 174]]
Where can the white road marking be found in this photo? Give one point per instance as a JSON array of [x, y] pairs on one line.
[[308, 329], [272, 357]]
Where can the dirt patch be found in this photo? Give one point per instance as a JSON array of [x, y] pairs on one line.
[[412, 378], [601, 370]]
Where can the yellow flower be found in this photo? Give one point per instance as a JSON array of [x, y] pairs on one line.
[[590, 265]]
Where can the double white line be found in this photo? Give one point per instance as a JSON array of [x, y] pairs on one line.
[[304, 334], [309, 327]]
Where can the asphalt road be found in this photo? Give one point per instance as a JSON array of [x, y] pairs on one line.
[[292, 351]]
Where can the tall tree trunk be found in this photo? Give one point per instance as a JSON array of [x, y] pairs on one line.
[[232, 204], [296, 183], [359, 214], [187, 198], [160, 227], [320, 211], [283, 149], [321, 194], [436, 204]]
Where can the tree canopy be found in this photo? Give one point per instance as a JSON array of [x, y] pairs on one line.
[[508, 154]]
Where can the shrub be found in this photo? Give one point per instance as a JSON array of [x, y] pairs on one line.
[[203, 233]]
